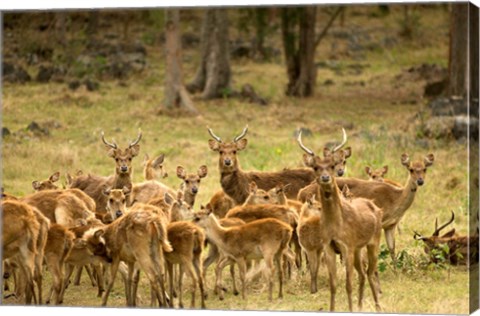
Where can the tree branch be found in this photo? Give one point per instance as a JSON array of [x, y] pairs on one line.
[[327, 27]]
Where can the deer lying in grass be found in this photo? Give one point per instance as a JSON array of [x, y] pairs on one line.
[[94, 185], [191, 182], [461, 250], [19, 243], [153, 168], [265, 238], [138, 237], [378, 175], [394, 201], [352, 226]]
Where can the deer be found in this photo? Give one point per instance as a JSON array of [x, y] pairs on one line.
[[350, 225], [378, 175], [153, 168], [62, 207], [235, 182], [394, 201], [94, 185], [138, 237], [191, 182], [19, 243], [220, 203], [462, 250], [187, 241], [265, 238], [48, 184]]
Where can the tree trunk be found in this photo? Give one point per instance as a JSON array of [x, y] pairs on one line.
[[213, 76], [458, 59], [474, 54], [299, 55], [175, 95]]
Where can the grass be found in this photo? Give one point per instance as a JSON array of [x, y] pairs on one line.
[[380, 124]]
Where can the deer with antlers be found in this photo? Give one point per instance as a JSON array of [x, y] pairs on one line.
[[94, 185], [394, 201], [462, 250], [350, 225], [235, 182]]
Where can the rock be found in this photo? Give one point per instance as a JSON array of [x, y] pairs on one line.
[[436, 88], [5, 132], [463, 125], [439, 127], [74, 85], [36, 129], [14, 73], [448, 106], [45, 74], [91, 85]]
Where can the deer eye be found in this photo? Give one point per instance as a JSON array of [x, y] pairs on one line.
[[234, 152], [129, 159], [411, 169], [315, 168], [111, 201], [187, 182], [123, 201], [221, 152], [425, 170], [117, 160]]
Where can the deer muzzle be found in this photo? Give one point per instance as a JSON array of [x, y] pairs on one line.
[[124, 169], [194, 190], [227, 162], [340, 172], [118, 213], [420, 181]]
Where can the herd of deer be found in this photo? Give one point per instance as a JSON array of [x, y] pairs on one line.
[[106, 225]]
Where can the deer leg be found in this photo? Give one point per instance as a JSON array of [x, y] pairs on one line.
[[170, 278], [234, 282], [358, 263], [390, 238], [136, 279], [349, 258], [113, 273], [100, 280], [198, 271], [223, 261], [180, 291], [242, 268], [373, 281], [332, 275], [278, 263], [38, 279], [313, 265]]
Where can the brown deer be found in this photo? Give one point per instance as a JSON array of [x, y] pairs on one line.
[[153, 168], [94, 185], [19, 242], [187, 241], [220, 203], [48, 184], [351, 226], [394, 201], [378, 175], [235, 182], [462, 250], [191, 182], [116, 201], [265, 238], [62, 207], [138, 237]]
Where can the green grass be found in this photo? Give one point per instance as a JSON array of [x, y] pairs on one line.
[[381, 128]]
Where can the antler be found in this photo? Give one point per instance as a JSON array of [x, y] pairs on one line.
[[136, 140], [113, 145], [344, 141], [218, 139], [437, 230], [417, 236], [307, 150], [242, 135]]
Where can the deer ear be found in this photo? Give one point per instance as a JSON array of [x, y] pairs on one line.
[[242, 144], [106, 191], [308, 160], [181, 172], [348, 152], [449, 234], [385, 169], [253, 187], [36, 185], [168, 198], [146, 158], [213, 144], [55, 177], [202, 171], [158, 161], [368, 170], [135, 150], [428, 160], [99, 233], [405, 160], [127, 189]]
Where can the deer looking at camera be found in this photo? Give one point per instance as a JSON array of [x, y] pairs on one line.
[[378, 175], [93, 185], [235, 182], [462, 250], [191, 183], [350, 225], [394, 201]]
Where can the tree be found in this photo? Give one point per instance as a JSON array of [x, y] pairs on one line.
[[213, 76], [458, 55], [175, 96], [299, 49]]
